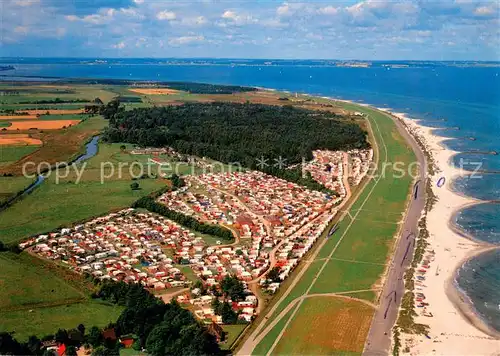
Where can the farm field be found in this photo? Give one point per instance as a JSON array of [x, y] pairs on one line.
[[353, 259], [9, 186], [22, 125], [39, 297], [24, 285], [11, 154], [58, 145], [334, 326], [44, 321], [52, 205], [17, 117]]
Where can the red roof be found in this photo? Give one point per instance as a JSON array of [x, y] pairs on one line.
[[127, 342], [61, 350]]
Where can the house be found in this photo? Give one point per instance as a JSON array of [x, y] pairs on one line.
[[217, 331], [127, 341], [109, 334], [61, 350]]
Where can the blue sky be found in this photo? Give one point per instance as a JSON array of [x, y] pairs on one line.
[[371, 29]]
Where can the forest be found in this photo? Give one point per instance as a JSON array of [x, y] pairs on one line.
[[264, 137]]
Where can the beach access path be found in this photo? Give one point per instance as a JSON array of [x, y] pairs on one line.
[[379, 337]]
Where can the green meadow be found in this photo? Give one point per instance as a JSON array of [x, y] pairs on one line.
[[11, 154], [44, 321]]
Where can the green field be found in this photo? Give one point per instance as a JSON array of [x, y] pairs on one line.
[[335, 327], [25, 285], [232, 333], [38, 297], [44, 321], [63, 117], [28, 95], [10, 186], [55, 204], [353, 258], [10, 154]]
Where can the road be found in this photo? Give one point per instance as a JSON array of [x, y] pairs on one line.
[[379, 337]]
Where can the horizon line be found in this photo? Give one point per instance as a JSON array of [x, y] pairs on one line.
[[262, 58]]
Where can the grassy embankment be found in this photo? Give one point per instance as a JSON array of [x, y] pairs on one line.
[[354, 258]]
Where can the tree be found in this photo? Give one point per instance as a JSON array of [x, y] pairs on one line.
[[81, 329], [134, 186], [10, 346], [217, 306], [34, 345], [94, 336], [229, 316], [104, 351], [71, 351], [47, 352], [233, 288], [274, 275], [61, 336]]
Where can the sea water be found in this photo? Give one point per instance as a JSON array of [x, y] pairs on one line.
[[461, 101]]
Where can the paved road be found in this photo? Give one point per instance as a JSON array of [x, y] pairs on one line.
[[379, 336]]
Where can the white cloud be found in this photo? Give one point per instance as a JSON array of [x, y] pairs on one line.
[[25, 3], [484, 11], [328, 10], [119, 45], [71, 18], [166, 15], [229, 15], [105, 15], [194, 21], [177, 41], [237, 19], [139, 1], [131, 12], [283, 10]]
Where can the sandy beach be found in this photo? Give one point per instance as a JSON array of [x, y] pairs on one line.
[[454, 327]]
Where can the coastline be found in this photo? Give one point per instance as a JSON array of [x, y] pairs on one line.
[[455, 321]]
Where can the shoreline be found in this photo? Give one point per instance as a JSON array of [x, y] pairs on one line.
[[455, 320]]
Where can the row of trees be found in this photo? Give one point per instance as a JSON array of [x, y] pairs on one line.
[[55, 101], [149, 203]]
